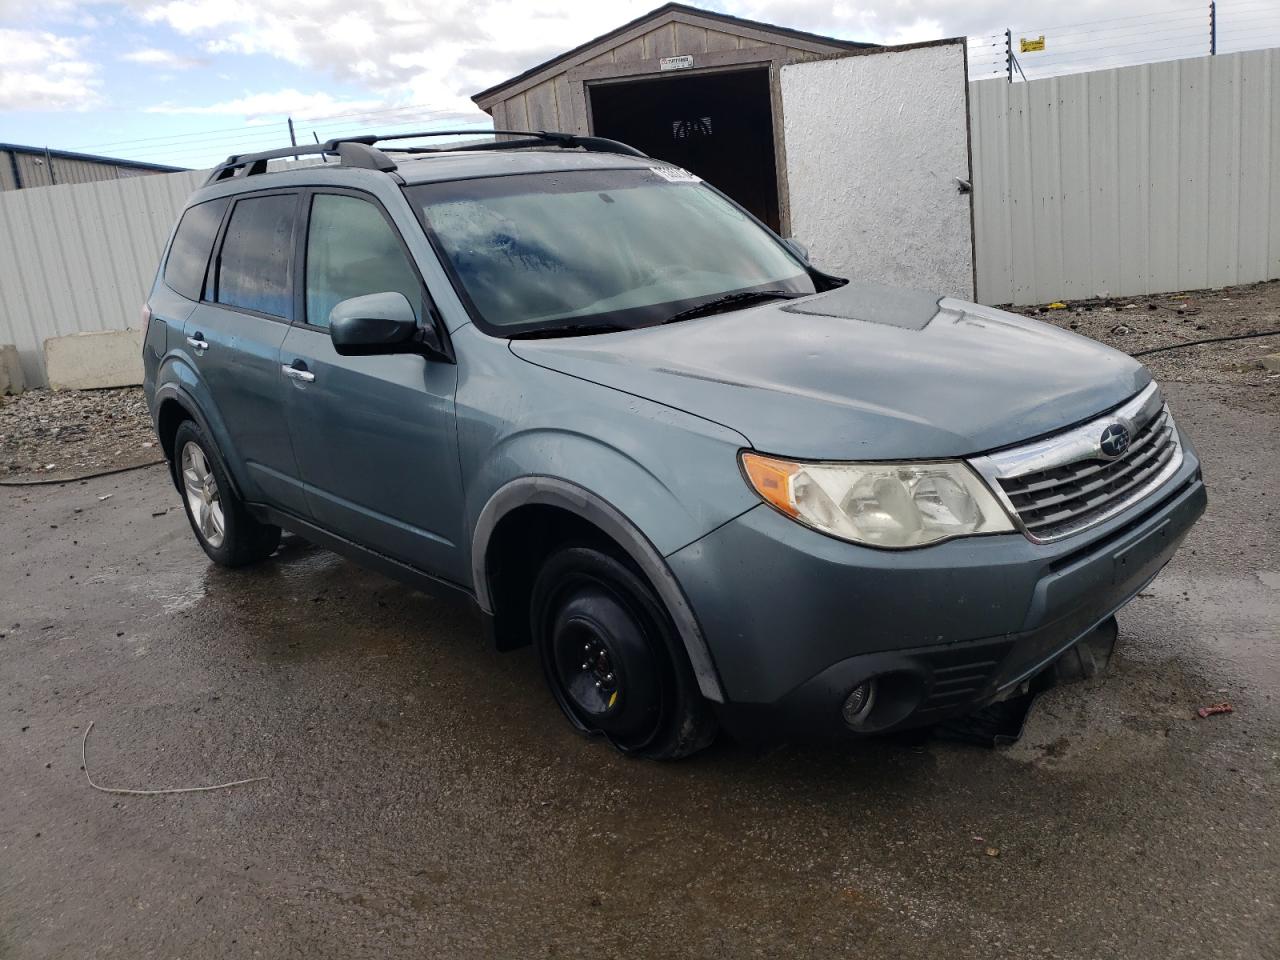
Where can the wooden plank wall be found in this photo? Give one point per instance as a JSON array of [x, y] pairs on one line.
[[547, 106]]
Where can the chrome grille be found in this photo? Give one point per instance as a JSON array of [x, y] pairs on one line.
[[1064, 484]]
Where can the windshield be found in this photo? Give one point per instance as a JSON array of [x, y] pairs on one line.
[[598, 248]]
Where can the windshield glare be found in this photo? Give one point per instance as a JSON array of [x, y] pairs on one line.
[[624, 247]]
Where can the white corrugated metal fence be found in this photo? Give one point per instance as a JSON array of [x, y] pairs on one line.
[[1142, 179], [81, 257]]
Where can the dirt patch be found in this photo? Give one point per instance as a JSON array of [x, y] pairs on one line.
[[57, 435], [1134, 324]]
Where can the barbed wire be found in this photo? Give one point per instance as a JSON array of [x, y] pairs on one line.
[[1126, 40]]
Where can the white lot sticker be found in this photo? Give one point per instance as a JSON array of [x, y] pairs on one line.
[[676, 175]]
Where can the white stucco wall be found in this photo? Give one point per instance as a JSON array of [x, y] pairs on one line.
[[874, 143]]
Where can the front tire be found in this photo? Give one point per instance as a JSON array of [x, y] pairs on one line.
[[613, 659], [222, 524]]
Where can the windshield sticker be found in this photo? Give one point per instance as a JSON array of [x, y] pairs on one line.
[[676, 175]]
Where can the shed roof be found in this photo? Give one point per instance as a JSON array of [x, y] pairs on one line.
[[710, 18]]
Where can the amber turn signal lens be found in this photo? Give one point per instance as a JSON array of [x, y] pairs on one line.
[[772, 480]]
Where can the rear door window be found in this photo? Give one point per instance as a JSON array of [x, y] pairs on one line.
[[256, 256], [189, 253]]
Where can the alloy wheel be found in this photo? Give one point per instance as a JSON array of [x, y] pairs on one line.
[[204, 500]]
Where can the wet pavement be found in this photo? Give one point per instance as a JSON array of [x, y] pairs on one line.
[[425, 799]]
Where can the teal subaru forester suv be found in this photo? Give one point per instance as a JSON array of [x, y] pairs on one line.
[[712, 484]]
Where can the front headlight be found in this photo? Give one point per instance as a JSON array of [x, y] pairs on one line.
[[891, 505]]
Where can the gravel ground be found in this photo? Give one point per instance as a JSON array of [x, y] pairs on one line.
[[1133, 324], [63, 434]]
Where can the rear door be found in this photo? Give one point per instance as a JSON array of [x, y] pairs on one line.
[[374, 436], [876, 146], [234, 338]]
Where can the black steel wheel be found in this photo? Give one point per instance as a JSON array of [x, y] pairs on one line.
[[612, 658]]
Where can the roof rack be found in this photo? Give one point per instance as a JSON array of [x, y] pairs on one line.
[[361, 152]]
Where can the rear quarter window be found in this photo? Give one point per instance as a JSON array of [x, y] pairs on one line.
[[257, 251], [192, 243]]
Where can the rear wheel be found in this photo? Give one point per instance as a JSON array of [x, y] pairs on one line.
[[612, 657], [222, 524]]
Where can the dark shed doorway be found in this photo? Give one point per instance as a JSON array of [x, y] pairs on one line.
[[717, 125]]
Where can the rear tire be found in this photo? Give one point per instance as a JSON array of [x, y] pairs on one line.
[[221, 522], [613, 659]]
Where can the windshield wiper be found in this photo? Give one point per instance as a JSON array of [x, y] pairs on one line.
[[718, 304], [567, 330]]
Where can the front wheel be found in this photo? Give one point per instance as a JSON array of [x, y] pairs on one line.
[[612, 657]]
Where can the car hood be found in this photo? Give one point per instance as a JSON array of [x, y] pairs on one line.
[[860, 372]]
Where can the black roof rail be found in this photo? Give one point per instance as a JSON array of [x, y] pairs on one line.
[[533, 138], [351, 153], [360, 151]]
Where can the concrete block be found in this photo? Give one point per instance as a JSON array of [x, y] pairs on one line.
[[90, 361], [1270, 362], [11, 379]]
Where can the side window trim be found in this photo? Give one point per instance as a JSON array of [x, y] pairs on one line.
[[430, 314], [210, 294], [213, 246], [214, 249]]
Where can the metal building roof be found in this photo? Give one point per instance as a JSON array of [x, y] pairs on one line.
[[88, 157]]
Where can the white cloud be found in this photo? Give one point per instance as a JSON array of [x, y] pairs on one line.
[[196, 16], [163, 58], [435, 53], [282, 103], [440, 52], [44, 71]]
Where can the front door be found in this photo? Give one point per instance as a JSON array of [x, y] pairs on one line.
[[234, 337], [374, 436]]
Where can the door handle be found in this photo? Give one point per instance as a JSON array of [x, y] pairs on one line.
[[300, 373], [198, 342]]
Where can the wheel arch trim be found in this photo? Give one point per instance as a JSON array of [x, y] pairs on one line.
[[552, 491], [175, 392]]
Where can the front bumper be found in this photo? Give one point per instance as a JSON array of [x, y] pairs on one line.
[[795, 620]]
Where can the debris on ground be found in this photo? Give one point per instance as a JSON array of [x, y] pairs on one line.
[[84, 765], [1209, 711], [997, 724], [60, 434]]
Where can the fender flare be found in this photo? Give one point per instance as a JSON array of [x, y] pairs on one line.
[[552, 491], [177, 393]]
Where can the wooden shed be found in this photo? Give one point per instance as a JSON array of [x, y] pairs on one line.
[[693, 87]]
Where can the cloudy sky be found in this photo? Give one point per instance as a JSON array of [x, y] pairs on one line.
[[189, 81]]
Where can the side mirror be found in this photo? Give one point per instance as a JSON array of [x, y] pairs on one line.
[[372, 324], [798, 248]]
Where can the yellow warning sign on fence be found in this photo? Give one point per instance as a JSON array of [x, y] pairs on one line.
[[1031, 46]]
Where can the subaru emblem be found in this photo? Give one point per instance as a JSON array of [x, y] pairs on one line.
[[1114, 441]]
